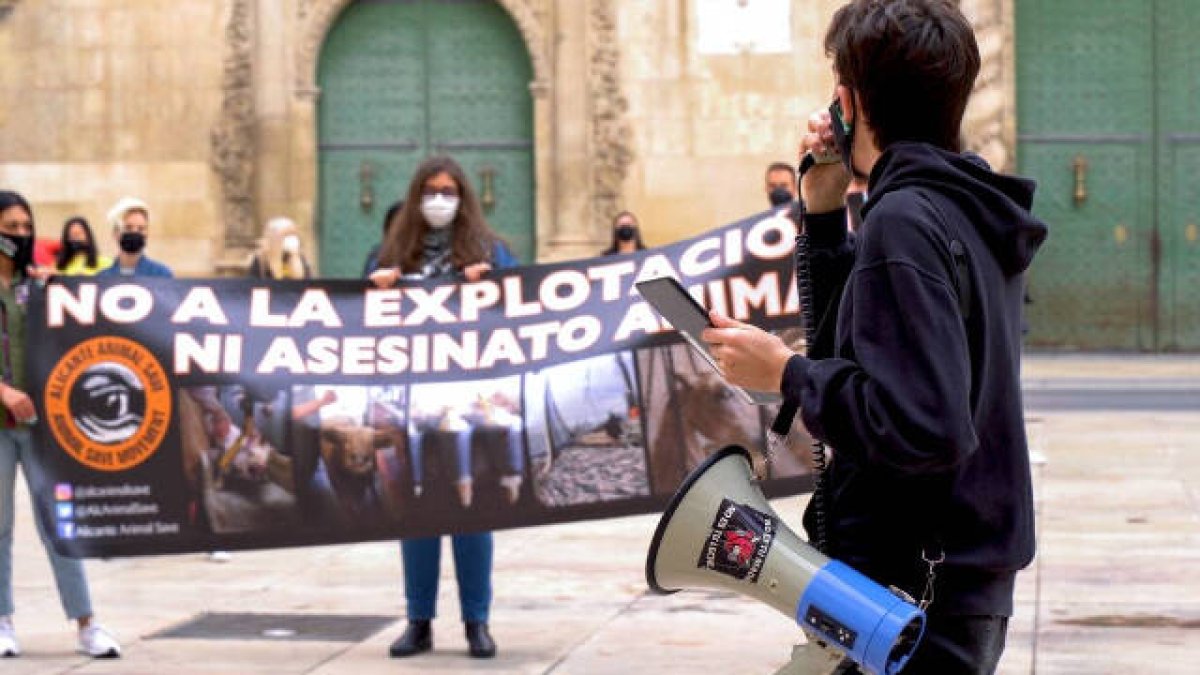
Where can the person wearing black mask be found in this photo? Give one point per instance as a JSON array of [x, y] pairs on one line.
[[18, 413], [77, 254], [626, 235], [781, 184], [130, 221]]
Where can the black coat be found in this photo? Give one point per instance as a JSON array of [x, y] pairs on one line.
[[914, 376]]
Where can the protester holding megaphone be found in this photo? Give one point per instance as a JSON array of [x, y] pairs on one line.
[[918, 393]]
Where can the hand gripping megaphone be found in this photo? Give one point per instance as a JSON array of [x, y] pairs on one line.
[[719, 532]]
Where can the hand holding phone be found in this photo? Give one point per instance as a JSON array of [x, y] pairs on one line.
[[820, 144], [675, 304], [822, 190]]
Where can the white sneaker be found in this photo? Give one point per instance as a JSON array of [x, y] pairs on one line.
[[8, 639], [98, 643], [220, 556]]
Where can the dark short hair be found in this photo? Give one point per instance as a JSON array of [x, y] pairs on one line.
[[780, 166], [9, 199], [393, 213], [913, 64]]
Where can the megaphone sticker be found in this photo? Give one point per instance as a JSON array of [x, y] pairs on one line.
[[739, 542]]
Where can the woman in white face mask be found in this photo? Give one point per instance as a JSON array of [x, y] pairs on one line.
[[441, 232], [279, 254]]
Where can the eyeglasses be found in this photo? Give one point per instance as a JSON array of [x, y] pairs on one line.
[[444, 191]]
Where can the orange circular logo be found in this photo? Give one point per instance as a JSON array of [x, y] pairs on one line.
[[108, 403]]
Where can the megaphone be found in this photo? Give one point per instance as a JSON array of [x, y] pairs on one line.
[[719, 532]]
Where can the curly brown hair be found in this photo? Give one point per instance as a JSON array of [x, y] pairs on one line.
[[473, 240]]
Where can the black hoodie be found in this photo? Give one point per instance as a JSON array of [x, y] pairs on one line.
[[916, 385]]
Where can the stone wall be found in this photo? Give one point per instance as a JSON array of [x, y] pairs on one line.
[[207, 109], [99, 99], [705, 127]]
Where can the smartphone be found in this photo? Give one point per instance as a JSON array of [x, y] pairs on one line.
[[840, 128], [837, 120], [678, 306]]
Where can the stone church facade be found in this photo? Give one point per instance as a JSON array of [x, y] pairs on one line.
[[210, 110]]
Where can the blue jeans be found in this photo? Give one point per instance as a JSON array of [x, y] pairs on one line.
[[472, 566], [512, 439], [16, 446], [417, 433]]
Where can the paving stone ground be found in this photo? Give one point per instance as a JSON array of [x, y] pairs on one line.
[[1114, 588]]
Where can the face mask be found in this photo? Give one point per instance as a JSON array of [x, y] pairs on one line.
[[18, 249], [75, 247], [843, 135], [626, 232], [780, 196], [133, 242], [291, 244], [439, 210]]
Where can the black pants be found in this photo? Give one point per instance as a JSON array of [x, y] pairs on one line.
[[955, 645]]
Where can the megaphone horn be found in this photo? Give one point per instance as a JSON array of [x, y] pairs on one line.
[[719, 532]]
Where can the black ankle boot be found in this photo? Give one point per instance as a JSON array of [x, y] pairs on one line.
[[480, 641], [416, 638]]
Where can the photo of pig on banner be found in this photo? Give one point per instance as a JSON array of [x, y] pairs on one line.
[[194, 415]]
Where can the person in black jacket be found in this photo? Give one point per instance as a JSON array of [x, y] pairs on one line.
[[913, 378]]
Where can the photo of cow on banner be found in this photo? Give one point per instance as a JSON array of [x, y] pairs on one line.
[[223, 414], [691, 413]]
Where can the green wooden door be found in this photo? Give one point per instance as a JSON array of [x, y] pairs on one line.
[[1108, 129], [1178, 97], [403, 79]]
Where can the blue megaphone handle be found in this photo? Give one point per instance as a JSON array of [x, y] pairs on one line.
[[874, 627]]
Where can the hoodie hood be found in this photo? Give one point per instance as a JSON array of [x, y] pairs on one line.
[[998, 206]]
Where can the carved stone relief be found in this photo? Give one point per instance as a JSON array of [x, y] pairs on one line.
[[990, 118], [611, 149], [234, 146]]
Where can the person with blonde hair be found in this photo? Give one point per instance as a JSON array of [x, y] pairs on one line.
[[130, 222], [279, 254]]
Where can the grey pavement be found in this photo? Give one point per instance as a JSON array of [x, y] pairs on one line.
[[1115, 587]]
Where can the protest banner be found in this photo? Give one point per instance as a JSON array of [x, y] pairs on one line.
[[195, 415]]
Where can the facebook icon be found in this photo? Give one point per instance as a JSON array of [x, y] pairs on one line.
[[66, 530]]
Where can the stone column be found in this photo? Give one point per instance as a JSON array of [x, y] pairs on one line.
[[234, 147], [990, 124]]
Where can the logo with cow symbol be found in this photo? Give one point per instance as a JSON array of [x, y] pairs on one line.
[[739, 541], [108, 403]]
